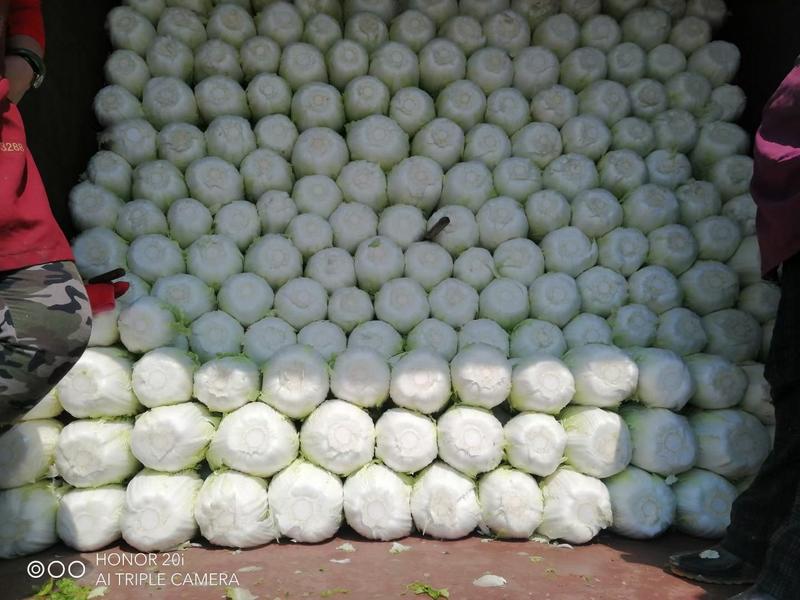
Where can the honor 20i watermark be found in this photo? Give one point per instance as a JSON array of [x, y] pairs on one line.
[[56, 569], [123, 569]]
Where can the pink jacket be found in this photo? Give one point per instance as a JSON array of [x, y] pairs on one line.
[[776, 175]]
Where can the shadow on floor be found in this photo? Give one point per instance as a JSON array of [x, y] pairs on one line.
[[655, 553]]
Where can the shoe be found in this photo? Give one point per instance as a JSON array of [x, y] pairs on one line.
[[753, 594], [715, 565]]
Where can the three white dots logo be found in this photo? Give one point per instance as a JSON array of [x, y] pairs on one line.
[[56, 569]]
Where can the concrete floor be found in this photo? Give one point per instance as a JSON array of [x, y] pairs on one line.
[[611, 568]]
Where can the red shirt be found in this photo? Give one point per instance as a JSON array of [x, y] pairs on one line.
[[29, 234], [25, 18], [776, 175]]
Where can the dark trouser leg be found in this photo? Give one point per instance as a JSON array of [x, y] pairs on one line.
[[780, 575], [762, 509], [45, 322]]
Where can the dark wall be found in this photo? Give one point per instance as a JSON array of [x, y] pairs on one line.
[[768, 34], [59, 121], [62, 129]]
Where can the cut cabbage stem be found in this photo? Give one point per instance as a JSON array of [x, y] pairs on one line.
[[437, 228]]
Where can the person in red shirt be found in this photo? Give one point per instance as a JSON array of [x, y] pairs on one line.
[[762, 543], [45, 310]]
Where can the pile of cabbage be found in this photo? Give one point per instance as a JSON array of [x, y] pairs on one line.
[[446, 267]]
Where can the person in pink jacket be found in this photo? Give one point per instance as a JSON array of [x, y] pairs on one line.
[[762, 543]]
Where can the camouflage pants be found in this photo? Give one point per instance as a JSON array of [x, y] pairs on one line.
[[45, 321]]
